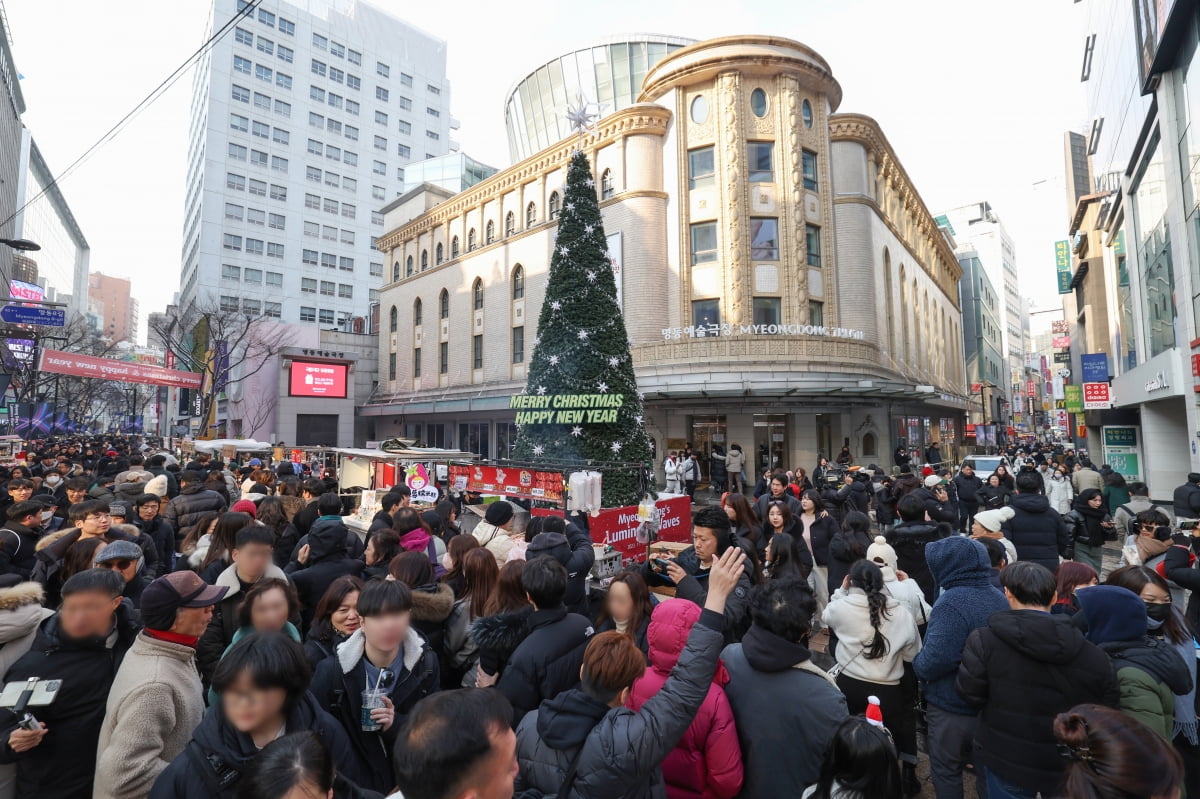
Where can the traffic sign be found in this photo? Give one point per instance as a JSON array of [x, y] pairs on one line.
[[33, 315]]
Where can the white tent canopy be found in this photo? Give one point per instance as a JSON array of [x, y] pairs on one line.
[[242, 444]]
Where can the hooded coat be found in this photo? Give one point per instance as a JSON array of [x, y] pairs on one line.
[[1021, 670], [909, 539], [1060, 492], [619, 750], [707, 763], [63, 765], [547, 662], [432, 606], [224, 623], [1037, 531], [498, 636], [781, 752], [339, 682], [962, 569], [577, 557], [225, 752], [1149, 671], [327, 560]]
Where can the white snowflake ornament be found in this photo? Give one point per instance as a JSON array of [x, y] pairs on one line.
[[602, 387], [553, 360], [538, 449], [577, 431], [616, 446], [614, 361], [541, 390], [564, 250], [555, 305], [583, 335]]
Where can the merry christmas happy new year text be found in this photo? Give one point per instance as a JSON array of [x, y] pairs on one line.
[[566, 408]]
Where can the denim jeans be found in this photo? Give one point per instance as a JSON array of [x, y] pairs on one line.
[[998, 788]]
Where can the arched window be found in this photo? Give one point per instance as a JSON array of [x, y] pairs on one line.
[[554, 205], [439, 253], [408, 267], [606, 185], [870, 445], [530, 215], [477, 294], [489, 232], [417, 309], [395, 270], [444, 305], [424, 260], [510, 223], [393, 319], [454, 247], [518, 282], [471, 240]]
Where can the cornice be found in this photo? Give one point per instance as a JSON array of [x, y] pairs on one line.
[[866, 131], [642, 118]]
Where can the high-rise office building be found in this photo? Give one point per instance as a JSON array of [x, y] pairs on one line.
[[116, 309], [302, 123]]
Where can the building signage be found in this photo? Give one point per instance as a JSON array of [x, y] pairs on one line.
[[1062, 419], [421, 488], [1121, 450], [566, 408], [1060, 342], [1062, 357], [1120, 436], [708, 331], [1059, 326], [618, 527], [1056, 388], [1094, 366], [75, 365], [1031, 389], [512, 482], [1157, 383], [1073, 396], [1097, 396], [1062, 266], [33, 315], [308, 379]]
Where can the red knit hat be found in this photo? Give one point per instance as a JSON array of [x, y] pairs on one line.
[[928, 470], [874, 712], [245, 506]]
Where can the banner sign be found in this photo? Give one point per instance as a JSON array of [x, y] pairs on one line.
[[422, 489], [1062, 266], [1060, 342], [1097, 396], [1074, 398], [513, 482], [1062, 357], [1059, 326], [67, 363], [618, 527], [566, 408], [1094, 366]]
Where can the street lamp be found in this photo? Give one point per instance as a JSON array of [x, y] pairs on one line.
[[22, 245]]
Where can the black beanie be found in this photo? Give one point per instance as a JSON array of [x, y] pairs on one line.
[[498, 513]]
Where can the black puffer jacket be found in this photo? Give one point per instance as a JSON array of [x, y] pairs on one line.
[[1187, 501], [909, 540], [1022, 670], [194, 501], [327, 560], [18, 549], [1037, 531], [823, 531], [498, 636], [218, 747], [547, 662], [695, 588], [937, 511], [63, 765], [968, 486], [990, 497], [621, 750]]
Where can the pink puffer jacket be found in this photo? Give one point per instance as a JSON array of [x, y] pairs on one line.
[[707, 763]]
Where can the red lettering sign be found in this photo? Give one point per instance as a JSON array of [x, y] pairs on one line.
[[68, 363], [618, 527], [510, 481]]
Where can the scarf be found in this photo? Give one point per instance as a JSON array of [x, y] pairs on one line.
[[1149, 547], [173, 638], [1185, 704]]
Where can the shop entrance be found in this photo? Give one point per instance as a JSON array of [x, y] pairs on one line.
[[825, 437], [707, 431], [770, 443]]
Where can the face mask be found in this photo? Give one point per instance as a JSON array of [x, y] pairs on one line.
[[53, 480], [47, 515], [1158, 612]]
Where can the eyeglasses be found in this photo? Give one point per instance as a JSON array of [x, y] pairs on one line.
[[98, 516], [117, 565]]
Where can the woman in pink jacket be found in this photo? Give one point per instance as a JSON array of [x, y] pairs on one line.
[[707, 762]]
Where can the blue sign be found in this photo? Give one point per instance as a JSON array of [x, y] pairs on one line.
[[33, 315], [1095, 367]]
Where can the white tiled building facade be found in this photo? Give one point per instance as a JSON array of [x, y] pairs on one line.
[[736, 204], [302, 123]]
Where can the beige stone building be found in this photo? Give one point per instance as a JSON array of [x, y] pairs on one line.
[[783, 284]]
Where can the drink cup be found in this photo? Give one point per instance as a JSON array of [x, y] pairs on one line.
[[371, 699]]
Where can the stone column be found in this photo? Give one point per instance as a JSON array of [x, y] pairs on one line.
[[732, 198]]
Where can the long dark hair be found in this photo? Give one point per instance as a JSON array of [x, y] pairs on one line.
[[480, 574], [743, 514], [322, 626], [1134, 578], [457, 549], [860, 763], [272, 515], [224, 535], [866, 575], [193, 534], [1110, 755], [785, 513], [509, 594], [642, 605], [785, 558], [855, 523], [818, 503], [385, 545]]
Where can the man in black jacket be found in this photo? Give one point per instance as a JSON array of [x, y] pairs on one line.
[[1036, 530], [322, 558], [1022, 670], [571, 547], [909, 539], [194, 501], [968, 484], [1187, 498], [19, 538], [547, 662], [82, 645], [304, 518], [395, 498], [938, 507]]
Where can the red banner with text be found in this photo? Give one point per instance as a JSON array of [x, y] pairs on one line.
[[513, 482], [618, 527], [75, 365]]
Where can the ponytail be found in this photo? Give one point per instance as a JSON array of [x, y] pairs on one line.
[[867, 576]]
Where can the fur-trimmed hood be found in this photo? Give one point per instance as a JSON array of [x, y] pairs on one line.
[[49, 539], [229, 579], [503, 632], [21, 594], [350, 651], [432, 606]]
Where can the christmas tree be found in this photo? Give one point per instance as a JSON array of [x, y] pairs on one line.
[[582, 349]]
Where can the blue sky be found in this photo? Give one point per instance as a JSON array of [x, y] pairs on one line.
[[974, 96]]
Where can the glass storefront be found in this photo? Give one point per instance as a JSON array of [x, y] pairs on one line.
[[1154, 251], [707, 431], [770, 442]]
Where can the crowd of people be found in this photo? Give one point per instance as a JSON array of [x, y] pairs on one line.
[[209, 629]]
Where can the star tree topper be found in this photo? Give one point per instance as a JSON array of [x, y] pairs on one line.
[[582, 117]]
